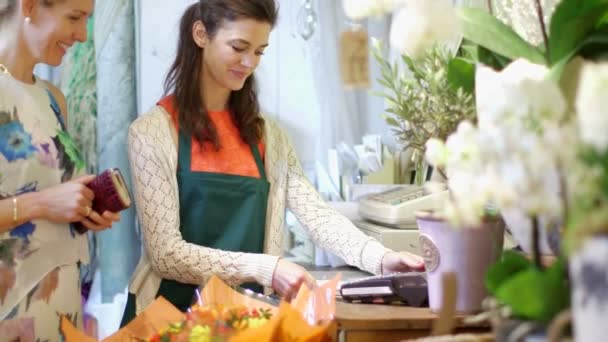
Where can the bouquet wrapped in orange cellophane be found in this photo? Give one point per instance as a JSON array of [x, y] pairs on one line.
[[223, 314]]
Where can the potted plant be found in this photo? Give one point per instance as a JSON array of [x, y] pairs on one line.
[[421, 101], [528, 170], [575, 29], [428, 95], [427, 100], [468, 250], [503, 162]]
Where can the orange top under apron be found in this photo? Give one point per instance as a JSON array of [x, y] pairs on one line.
[[234, 156]]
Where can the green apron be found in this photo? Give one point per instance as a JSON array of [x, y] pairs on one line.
[[220, 211]]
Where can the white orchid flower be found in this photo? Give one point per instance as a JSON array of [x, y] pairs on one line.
[[436, 152], [360, 9], [520, 95], [592, 104], [419, 24], [463, 147]]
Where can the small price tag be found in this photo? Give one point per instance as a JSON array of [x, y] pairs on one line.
[[354, 58]]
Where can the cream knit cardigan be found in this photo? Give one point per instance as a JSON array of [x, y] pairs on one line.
[[153, 160]]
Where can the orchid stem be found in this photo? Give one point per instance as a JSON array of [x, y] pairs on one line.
[[490, 7], [543, 28], [536, 243], [442, 173]]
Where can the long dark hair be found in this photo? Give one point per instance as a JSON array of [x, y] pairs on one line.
[[184, 76]]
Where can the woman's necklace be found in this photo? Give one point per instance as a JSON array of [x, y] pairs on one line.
[[4, 70]]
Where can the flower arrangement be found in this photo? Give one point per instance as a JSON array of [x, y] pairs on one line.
[[509, 156], [532, 148], [213, 323], [222, 313], [512, 159]]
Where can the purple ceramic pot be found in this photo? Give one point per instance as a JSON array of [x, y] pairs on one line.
[[468, 252]]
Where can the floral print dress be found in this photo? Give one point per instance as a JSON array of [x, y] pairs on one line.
[[39, 260]]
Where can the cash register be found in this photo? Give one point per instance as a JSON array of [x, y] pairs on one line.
[[389, 216]]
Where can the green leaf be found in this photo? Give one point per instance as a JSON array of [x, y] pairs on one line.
[[469, 51], [535, 294], [492, 59], [572, 22], [510, 264], [484, 29], [594, 47], [461, 74], [391, 122]]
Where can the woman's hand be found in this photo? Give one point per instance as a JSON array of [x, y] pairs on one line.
[[288, 277], [71, 202], [399, 262], [98, 222], [68, 202]]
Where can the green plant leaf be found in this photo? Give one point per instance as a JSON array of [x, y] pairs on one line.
[[461, 74], [535, 294], [484, 29], [572, 22], [492, 59], [391, 121], [510, 264], [594, 47], [468, 51]]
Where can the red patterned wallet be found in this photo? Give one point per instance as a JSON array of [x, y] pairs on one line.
[[111, 194]]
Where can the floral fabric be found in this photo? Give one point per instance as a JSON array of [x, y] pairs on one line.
[[39, 260]]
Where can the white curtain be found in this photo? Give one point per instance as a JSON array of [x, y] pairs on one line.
[[345, 114]]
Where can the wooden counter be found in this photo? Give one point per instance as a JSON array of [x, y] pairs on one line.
[[387, 323]]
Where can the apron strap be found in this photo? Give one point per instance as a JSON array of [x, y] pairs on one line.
[[184, 151], [258, 160]]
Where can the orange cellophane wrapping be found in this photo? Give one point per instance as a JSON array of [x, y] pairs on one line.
[[305, 319]]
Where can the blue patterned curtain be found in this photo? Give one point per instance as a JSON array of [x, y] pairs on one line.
[[78, 83], [119, 248]]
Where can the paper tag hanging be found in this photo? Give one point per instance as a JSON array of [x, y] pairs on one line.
[[354, 58]]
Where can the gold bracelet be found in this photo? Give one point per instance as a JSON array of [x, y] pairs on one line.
[[15, 211]]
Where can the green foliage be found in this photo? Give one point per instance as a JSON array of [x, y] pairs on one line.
[[598, 160], [492, 59], [595, 46], [576, 27], [422, 103], [530, 292], [589, 212], [572, 22], [536, 294], [482, 28], [461, 74], [474, 54], [510, 263]]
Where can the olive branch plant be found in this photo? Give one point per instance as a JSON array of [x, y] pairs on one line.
[[421, 101]]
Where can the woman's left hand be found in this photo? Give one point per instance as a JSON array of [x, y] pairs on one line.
[[98, 222], [399, 262]]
